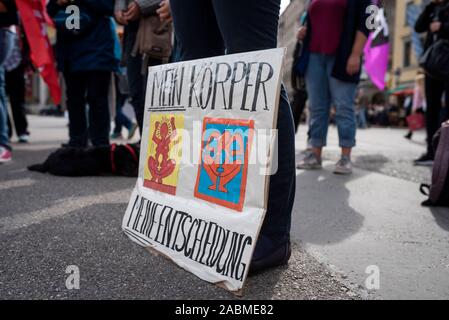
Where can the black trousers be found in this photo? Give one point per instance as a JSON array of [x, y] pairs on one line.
[[136, 72], [207, 28], [434, 113], [15, 90], [88, 88]]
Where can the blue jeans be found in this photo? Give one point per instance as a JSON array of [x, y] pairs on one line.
[[6, 44], [121, 120], [326, 91], [207, 28], [4, 139]]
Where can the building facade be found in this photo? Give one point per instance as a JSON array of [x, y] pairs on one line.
[[288, 28], [405, 62]]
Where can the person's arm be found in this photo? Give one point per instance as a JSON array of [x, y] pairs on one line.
[[120, 7], [164, 11], [355, 59], [424, 20], [3, 8]]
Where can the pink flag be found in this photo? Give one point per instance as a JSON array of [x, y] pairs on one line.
[[377, 51]]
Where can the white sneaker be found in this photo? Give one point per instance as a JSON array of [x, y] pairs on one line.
[[24, 138], [343, 166], [310, 162], [5, 155]]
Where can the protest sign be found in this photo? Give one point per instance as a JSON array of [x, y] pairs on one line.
[[205, 162]]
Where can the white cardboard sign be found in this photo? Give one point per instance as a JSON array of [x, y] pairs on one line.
[[206, 153]]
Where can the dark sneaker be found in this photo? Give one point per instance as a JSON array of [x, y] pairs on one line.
[[277, 258], [427, 203], [409, 135], [116, 135], [425, 160]]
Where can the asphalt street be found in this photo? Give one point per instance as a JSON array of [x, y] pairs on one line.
[[372, 221], [49, 223], [341, 226]]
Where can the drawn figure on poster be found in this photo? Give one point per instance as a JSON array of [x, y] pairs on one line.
[[224, 162], [164, 152], [160, 165]]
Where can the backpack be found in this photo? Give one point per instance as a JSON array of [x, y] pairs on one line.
[[154, 38], [438, 192]]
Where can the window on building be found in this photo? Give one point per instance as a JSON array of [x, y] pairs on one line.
[[407, 59], [407, 8]]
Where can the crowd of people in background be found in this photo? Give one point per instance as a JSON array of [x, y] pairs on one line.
[[334, 37], [322, 86]]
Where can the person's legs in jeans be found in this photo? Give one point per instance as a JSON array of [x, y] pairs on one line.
[[318, 88], [76, 88], [15, 89], [120, 118], [137, 77], [434, 95], [134, 73], [343, 97], [4, 138], [97, 97]]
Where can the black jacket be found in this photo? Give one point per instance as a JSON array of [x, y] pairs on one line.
[[355, 20], [96, 47], [8, 18], [431, 13]]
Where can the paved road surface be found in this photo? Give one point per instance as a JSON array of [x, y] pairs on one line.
[[373, 218], [341, 226], [48, 223]]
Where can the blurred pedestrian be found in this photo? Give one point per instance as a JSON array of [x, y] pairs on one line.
[[129, 13], [362, 104], [418, 103], [86, 56], [8, 18], [298, 81], [335, 35], [122, 94], [434, 20], [207, 28], [15, 85]]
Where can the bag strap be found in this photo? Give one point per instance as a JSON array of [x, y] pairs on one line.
[[441, 166], [425, 189]]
